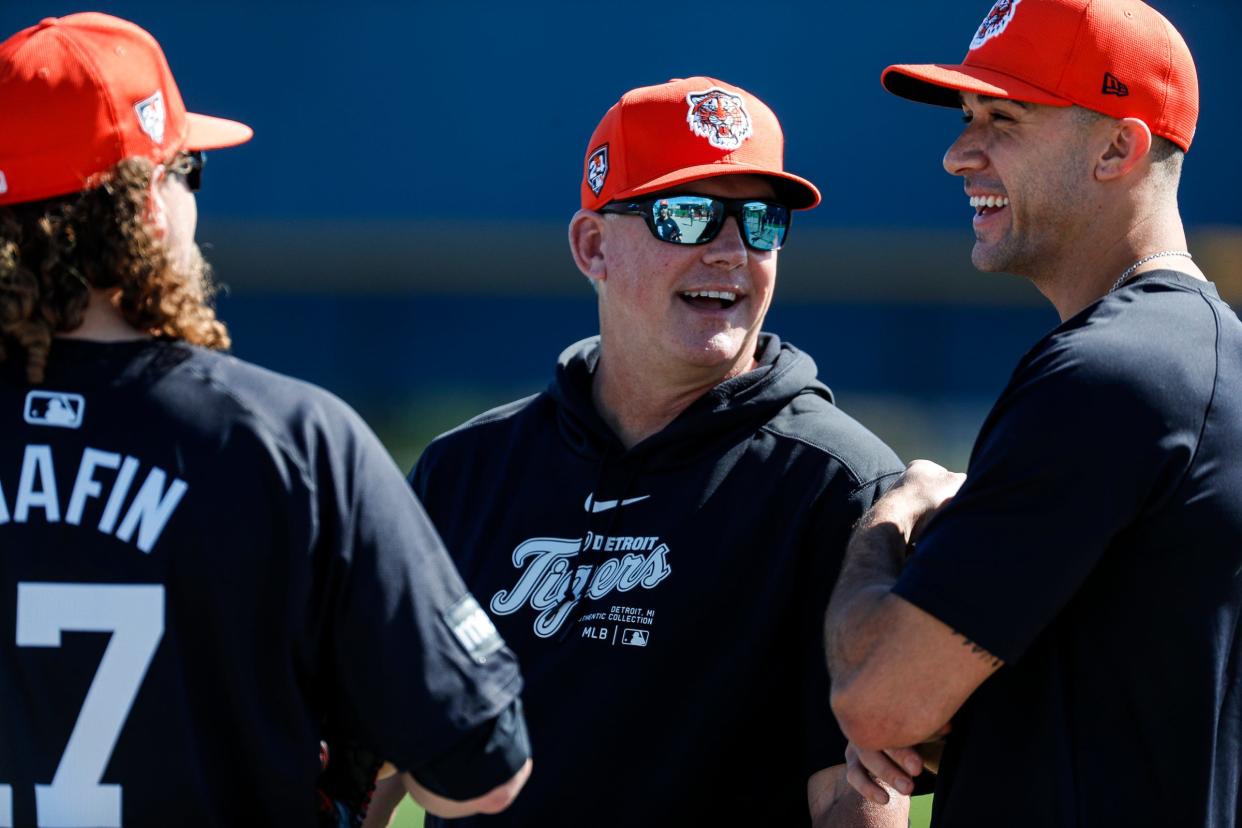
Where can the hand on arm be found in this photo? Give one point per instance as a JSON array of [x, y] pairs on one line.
[[898, 673], [834, 804], [895, 767]]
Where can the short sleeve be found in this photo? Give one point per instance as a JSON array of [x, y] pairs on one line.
[[417, 662], [1067, 459], [824, 743]]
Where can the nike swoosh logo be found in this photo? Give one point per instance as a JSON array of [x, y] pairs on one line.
[[593, 505]]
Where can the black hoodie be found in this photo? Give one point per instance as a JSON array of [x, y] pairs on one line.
[[666, 603]]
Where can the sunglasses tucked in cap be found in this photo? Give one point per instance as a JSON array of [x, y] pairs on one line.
[[1117, 57], [80, 94], [658, 137]]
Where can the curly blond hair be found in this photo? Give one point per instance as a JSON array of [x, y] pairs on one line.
[[53, 251]]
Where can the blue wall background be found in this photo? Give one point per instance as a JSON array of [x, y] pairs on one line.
[[395, 231], [379, 108]]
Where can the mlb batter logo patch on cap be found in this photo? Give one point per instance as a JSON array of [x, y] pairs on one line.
[[4, 183], [55, 408], [597, 169], [720, 117], [152, 116], [995, 23]]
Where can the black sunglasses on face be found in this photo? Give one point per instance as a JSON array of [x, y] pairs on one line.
[[687, 218], [189, 165]]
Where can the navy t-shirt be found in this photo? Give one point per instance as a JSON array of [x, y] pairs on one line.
[[201, 563], [1096, 547]]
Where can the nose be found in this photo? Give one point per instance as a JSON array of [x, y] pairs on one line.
[[727, 249], [964, 155]]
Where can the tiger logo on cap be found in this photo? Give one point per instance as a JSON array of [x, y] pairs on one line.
[[995, 23], [720, 117]]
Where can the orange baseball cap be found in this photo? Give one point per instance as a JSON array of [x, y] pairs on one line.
[[657, 137], [1117, 57], [83, 92]]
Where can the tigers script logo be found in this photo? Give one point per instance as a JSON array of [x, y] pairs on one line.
[[546, 565], [995, 23], [720, 117]]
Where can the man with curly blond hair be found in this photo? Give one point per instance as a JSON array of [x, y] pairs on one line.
[[241, 539]]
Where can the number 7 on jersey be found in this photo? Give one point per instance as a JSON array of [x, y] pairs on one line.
[[134, 614]]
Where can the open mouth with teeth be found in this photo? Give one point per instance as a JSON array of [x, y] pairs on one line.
[[710, 299], [985, 205]]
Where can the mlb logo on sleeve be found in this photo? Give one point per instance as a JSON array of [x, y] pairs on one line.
[[55, 408], [473, 629]]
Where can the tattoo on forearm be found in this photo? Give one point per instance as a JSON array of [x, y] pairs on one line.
[[980, 651]]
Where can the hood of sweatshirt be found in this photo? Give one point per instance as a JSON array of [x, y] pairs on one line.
[[748, 399]]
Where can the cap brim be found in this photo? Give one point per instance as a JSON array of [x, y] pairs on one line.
[[936, 83], [205, 132], [793, 191]]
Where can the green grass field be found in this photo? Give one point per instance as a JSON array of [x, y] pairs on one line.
[[410, 815]]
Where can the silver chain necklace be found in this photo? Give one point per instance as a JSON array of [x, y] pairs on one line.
[[1121, 280]]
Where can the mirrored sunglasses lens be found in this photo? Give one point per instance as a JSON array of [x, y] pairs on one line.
[[684, 219], [765, 224]]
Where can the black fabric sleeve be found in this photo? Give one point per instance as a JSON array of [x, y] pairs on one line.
[[1069, 456], [485, 757], [837, 513], [416, 665]]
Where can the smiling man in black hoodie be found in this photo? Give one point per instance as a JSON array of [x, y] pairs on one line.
[[657, 533]]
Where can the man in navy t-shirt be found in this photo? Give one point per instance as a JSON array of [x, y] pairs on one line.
[[202, 563], [1071, 617]]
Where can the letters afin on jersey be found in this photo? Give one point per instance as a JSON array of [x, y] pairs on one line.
[[141, 523]]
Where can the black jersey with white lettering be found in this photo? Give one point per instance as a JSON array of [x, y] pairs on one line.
[[686, 682], [1096, 547], [201, 562]]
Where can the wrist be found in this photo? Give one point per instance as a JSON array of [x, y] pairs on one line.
[[899, 512]]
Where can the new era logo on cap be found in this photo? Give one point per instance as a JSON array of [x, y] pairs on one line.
[[1112, 86]]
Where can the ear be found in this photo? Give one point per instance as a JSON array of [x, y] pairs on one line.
[[1129, 143], [586, 242], [157, 208]]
